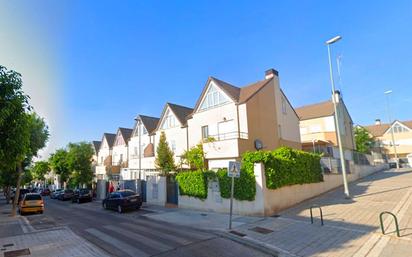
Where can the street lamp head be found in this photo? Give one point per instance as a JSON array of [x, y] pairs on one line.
[[387, 92], [333, 40]]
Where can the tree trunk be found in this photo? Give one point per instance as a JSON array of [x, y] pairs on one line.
[[7, 194], [16, 196]]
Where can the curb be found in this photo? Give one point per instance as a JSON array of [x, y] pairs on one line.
[[250, 242]]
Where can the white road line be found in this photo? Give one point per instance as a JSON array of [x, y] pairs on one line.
[[145, 240], [25, 225], [117, 243]]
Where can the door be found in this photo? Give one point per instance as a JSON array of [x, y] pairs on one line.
[[171, 189]]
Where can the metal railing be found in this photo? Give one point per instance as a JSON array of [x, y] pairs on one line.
[[229, 135]]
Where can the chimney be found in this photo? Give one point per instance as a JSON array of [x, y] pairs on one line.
[[271, 73], [378, 122], [337, 96]]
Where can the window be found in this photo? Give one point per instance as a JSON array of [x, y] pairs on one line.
[[398, 129], [144, 130], [205, 132], [173, 145], [283, 105], [121, 158], [213, 97], [169, 121]]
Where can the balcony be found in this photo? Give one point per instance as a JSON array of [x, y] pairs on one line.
[[225, 145]]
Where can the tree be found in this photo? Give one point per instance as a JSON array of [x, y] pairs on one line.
[[194, 157], [363, 140], [79, 159], [164, 158], [40, 169], [59, 163]]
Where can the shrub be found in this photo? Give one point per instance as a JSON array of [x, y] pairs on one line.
[[193, 183], [245, 185], [286, 166]]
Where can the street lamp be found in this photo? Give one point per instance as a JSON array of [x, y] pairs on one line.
[[139, 129], [387, 93], [341, 154]]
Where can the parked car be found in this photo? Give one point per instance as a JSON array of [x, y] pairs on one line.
[[22, 193], [55, 193], [67, 194], [122, 200], [82, 195], [31, 202], [45, 192]]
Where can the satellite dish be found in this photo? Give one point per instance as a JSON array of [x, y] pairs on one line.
[[258, 144]]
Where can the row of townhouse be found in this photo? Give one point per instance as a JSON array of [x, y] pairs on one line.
[[239, 119]]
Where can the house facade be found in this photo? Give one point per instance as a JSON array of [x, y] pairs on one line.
[[402, 131], [173, 122], [104, 156], [142, 157], [120, 153], [231, 120], [96, 147], [318, 127]]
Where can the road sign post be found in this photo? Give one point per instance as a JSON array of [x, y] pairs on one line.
[[233, 172]]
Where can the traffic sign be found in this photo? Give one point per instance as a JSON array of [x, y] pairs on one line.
[[233, 170]]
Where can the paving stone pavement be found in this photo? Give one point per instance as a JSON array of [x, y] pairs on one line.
[[351, 226]]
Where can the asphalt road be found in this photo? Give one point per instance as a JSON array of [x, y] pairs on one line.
[[131, 234]]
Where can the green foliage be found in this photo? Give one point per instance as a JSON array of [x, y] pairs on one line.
[[363, 140], [59, 163], [164, 157], [193, 183], [245, 185], [79, 161], [286, 166], [194, 157], [40, 169]]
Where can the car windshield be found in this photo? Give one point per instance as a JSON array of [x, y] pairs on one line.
[[32, 197], [84, 191], [127, 193]]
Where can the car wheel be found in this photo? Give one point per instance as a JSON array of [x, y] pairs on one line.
[[119, 209], [41, 212], [104, 206]]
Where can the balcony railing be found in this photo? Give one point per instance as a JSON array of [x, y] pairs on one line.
[[227, 136]]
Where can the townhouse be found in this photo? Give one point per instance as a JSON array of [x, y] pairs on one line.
[[382, 134], [231, 120], [318, 127], [228, 121], [104, 156], [120, 153]]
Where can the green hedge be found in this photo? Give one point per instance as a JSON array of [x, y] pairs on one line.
[[245, 185], [193, 183], [286, 166]]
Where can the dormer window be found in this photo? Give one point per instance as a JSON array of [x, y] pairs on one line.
[[398, 129], [213, 98], [169, 120]]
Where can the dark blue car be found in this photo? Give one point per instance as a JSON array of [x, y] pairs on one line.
[[122, 200]]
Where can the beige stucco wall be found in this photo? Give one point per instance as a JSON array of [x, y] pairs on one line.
[[403, 143], [104, 151], [176, 135], [117, 151]]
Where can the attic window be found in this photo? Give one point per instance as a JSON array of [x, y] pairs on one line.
[[213, 98], [398, 129], [169, 120]]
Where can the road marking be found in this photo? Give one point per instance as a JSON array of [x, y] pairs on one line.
[[117, 243], [144, 240], [25, 225]]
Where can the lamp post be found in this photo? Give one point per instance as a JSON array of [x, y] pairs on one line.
[[313, 144], [139, 131], [387, 93], [341, 154]]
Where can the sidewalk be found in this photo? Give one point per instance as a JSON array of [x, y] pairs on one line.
[[351, 226], [16, 234]]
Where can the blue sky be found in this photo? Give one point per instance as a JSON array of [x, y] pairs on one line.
[[100, 63]]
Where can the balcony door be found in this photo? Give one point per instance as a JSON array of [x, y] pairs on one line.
[[226, 130]]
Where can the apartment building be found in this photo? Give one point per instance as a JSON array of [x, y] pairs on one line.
[[231, 120], [402, 131], [318, 127]]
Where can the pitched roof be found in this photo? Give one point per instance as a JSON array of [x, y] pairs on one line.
[[110, 138], [181, 112], [317, 110], [237, 94], [126, 133], [96, 145], [380, 129], [150, 123]]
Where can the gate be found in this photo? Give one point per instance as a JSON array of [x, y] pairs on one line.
[[143, 190], [171, 189]]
